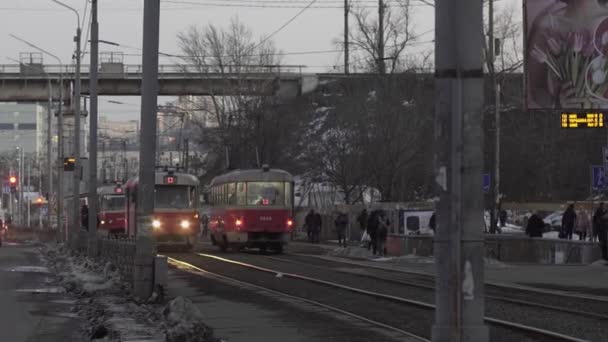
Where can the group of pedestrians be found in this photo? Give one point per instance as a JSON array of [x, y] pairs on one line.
[[592, 229], [313, 223], [374, 226]]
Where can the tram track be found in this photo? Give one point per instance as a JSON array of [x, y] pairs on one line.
[[494, 291], [502, 329]]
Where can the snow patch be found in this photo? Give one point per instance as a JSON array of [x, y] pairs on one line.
[[29, 269], [184, 322]]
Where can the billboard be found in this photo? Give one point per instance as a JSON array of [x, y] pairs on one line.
[[566, 44]]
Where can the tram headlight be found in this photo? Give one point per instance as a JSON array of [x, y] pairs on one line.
[[185, 224], [156, 224], [103, 222]]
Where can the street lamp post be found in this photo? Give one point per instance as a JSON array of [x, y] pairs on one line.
[[60, 142], [76, 105], [93, 131]]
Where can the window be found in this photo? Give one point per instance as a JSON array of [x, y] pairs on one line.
[[412, 223], [265, 193], [231, 193], [26, 126], [241, 193], [177, 197], [7, 126], [288, 194], [112, 202]]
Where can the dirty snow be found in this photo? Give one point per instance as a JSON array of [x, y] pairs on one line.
[[111, 312], [29, 269], [362, 253]]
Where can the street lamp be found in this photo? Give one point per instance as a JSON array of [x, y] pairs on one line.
[[60, 141], [76, 104]]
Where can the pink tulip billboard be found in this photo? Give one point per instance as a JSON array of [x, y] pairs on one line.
[[566, 45]]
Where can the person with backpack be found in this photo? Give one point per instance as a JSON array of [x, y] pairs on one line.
[[568, 223]]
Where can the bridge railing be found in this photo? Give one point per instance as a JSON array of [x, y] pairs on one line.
[[165, 70]]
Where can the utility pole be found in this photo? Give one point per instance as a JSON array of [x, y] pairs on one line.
[[60, 147], [145, 251], [490, 57], [29, 175], [346, 10], [49, 157], [92, 248], [40, 196], [497, 156], [459, 243], [381, 67], [20, 184]]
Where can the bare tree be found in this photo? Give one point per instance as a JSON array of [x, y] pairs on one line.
[[398, 32], [232, 123]]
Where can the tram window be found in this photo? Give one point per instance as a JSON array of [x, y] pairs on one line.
[[288, 195], [265, 193], [172, 197], [112, 202], [241, 193], [231, 193], [412, 223]]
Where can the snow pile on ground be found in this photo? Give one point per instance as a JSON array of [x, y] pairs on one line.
[[352, 252], [362, 253], [184, 322], [600, 262], [110, 311]]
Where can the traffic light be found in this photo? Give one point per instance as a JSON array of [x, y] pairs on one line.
[[69, 164], [12, 180]]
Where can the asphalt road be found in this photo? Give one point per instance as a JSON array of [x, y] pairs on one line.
[[32, 310]]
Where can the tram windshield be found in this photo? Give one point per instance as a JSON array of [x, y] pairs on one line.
[[176, 197], [112, 202]]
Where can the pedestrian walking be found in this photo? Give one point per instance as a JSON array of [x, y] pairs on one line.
[[341, 223], [316, 231], [597, 221], [382, 233], [372, 228], [502, 217], [568, 223], [433, 223], [84, 216], [583, 224], [362, 219], [309, 223], [535, 226]]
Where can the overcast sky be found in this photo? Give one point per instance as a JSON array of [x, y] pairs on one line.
[[52, 27]]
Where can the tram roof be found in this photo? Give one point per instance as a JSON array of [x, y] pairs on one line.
[[182, 179], [253, 175]]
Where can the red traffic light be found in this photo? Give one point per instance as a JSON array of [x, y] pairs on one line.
[[13, 180]]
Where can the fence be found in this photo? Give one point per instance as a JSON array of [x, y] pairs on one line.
[[120, 251]]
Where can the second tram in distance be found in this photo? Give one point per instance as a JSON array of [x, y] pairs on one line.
[[176, 201], [251, 208], [111, 209]]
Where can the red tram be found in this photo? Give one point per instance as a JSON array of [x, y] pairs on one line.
[[176, 201], [251, 208], [111, 208]]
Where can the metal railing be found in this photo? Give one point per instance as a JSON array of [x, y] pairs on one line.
[[120, 251], [167, 70]]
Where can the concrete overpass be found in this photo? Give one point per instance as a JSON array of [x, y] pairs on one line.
[[21, 82]]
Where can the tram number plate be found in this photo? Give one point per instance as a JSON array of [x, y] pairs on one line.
[[265, 218]]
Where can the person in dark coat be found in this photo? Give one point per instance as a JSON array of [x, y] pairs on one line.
[[535, 226], [341, 223], [596, 221], [568, 222], [602, 229], [372, 227], [382, 233], [316, 231], [433, 223], [84, 216], [502, 217], [362, 219], [309, 222]]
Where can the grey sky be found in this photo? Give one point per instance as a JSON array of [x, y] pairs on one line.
[[52, 27]]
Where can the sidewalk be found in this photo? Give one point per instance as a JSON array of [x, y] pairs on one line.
[[30, 310]]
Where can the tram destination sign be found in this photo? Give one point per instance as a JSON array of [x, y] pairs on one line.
[[170, 179]]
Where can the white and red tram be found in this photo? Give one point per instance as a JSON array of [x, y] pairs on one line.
[[251, 208], [176, 201], [112, 208]]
